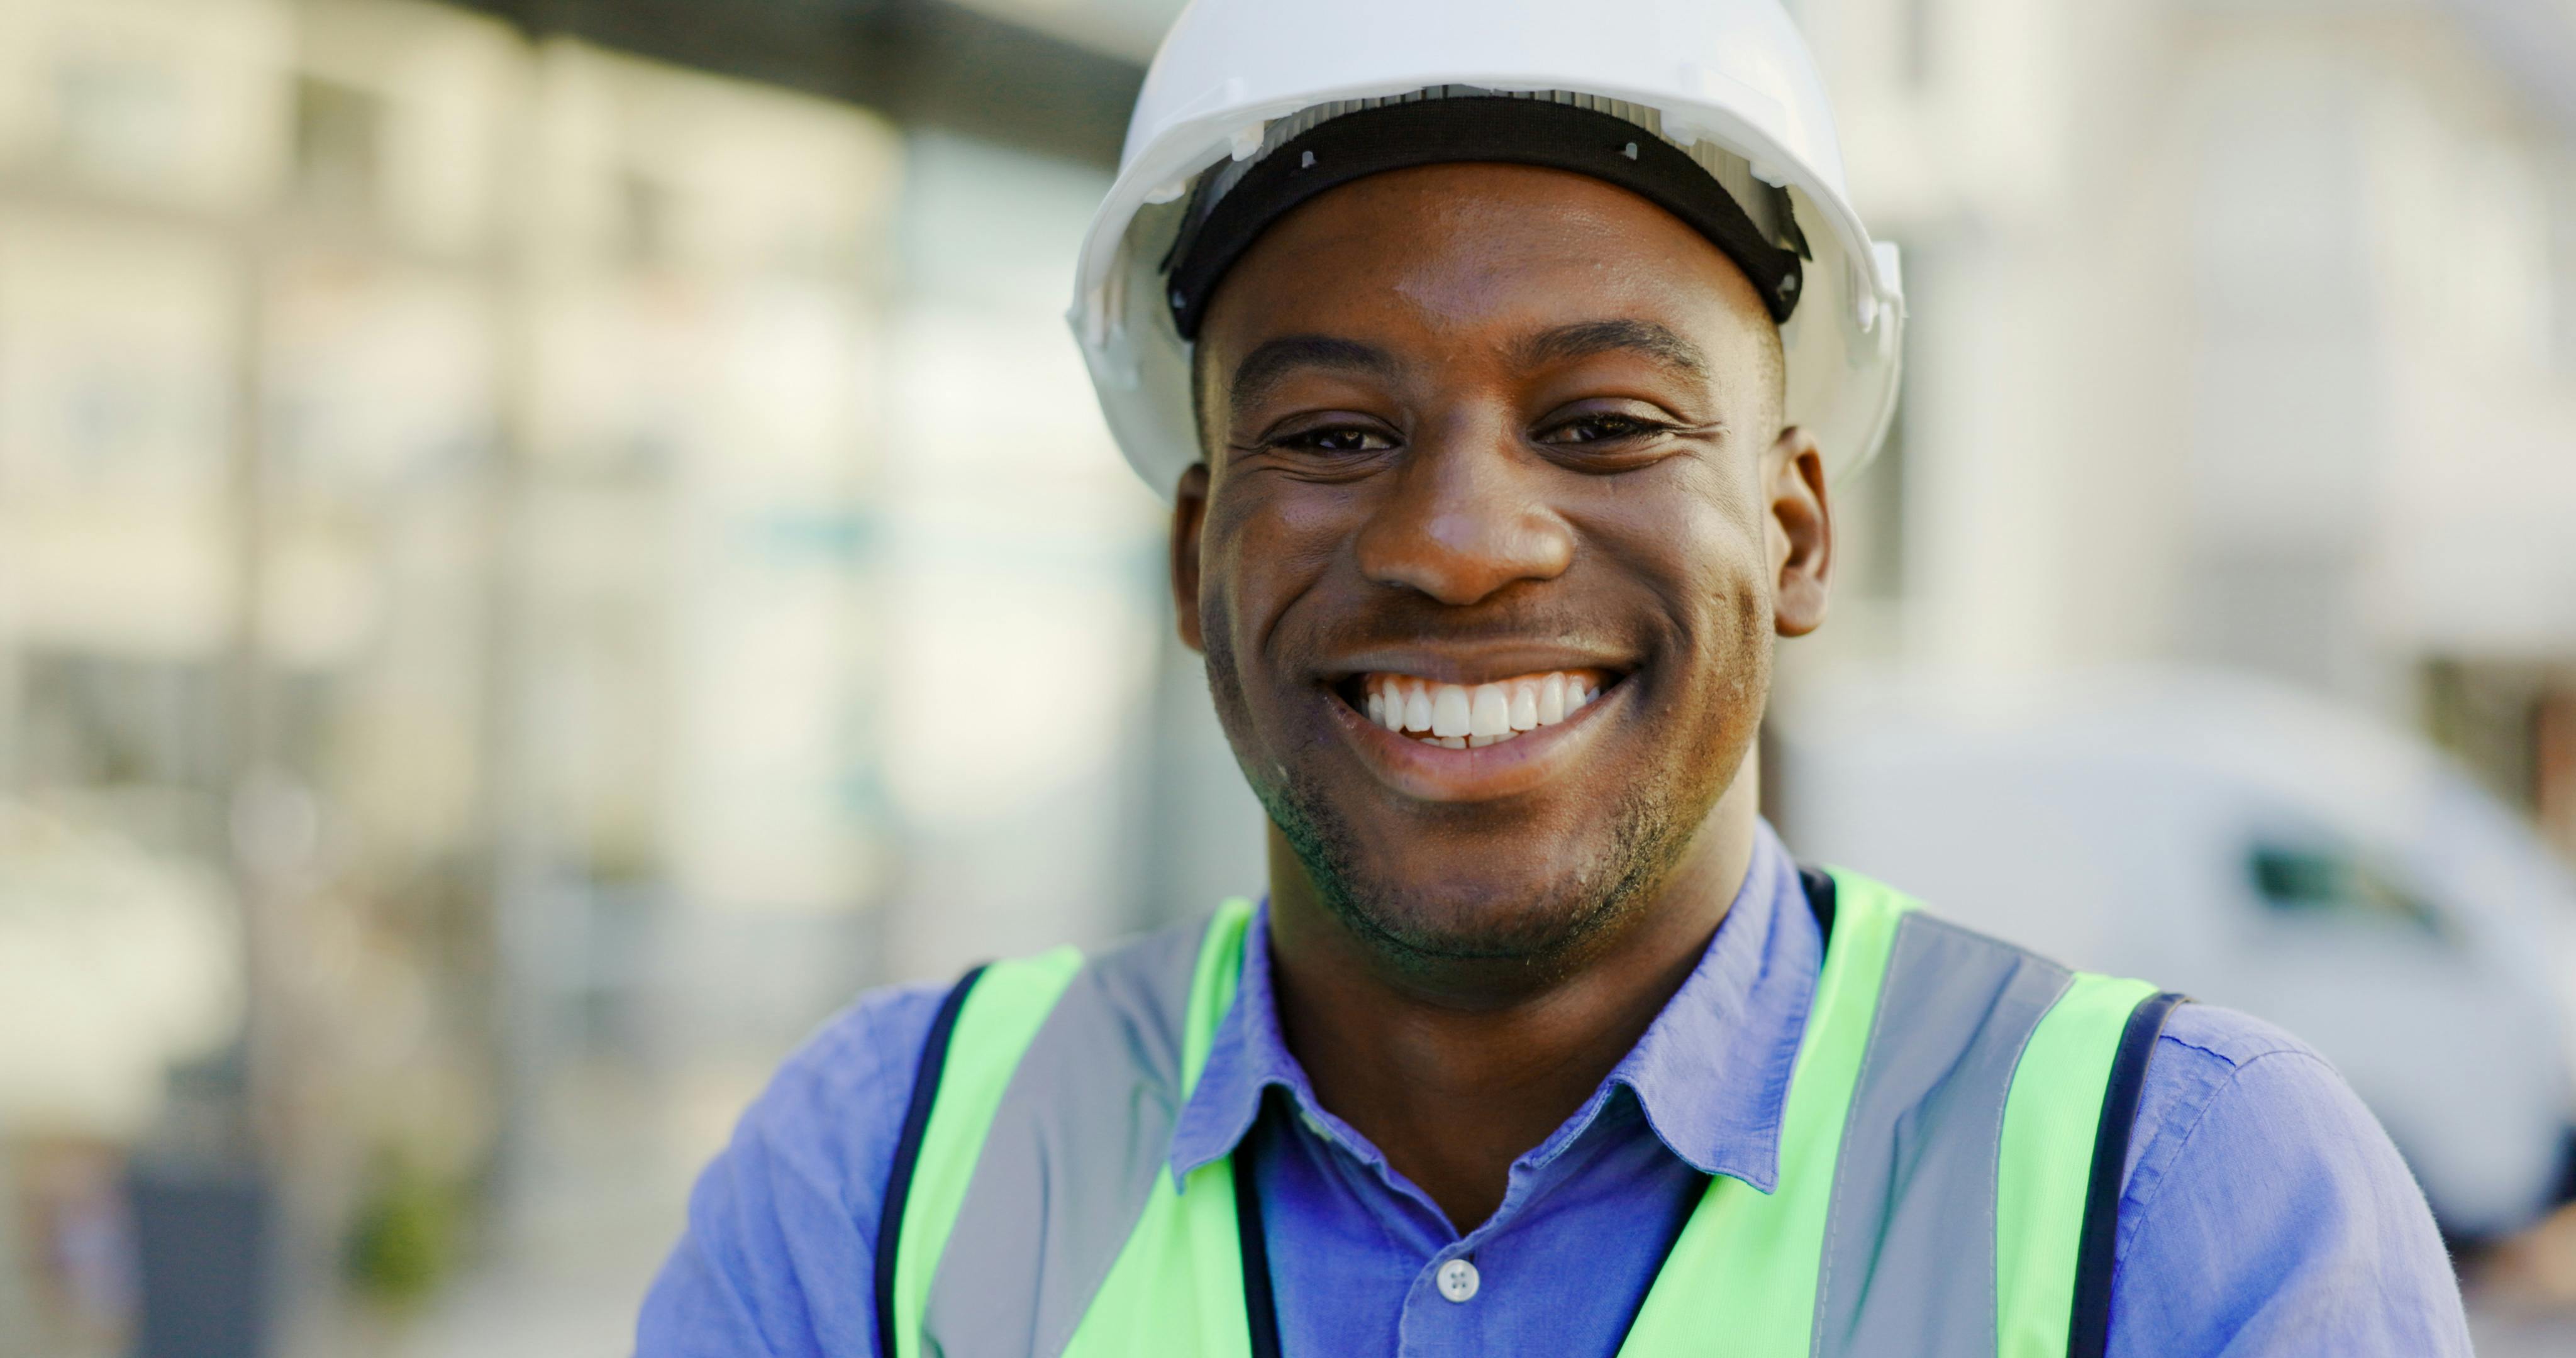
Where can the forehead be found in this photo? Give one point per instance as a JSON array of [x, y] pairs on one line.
[[1475, 252]]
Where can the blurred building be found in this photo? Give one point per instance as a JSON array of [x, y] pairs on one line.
[[2243, 333], [545, 570]]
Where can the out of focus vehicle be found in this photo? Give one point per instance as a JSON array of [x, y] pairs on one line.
[[2249, 846]]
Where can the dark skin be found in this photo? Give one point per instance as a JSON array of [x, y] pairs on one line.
[[1466, 422]]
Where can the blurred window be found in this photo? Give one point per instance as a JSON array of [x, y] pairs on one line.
[[119, 120], [2321, 880], [95, 721], [338, 129]]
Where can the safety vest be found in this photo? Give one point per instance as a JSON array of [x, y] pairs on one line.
[[1950, 1162]]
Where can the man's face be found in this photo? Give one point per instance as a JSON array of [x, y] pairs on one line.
[[1518, 432]]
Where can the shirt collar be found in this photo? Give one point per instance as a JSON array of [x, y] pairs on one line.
[[1711, 1073]]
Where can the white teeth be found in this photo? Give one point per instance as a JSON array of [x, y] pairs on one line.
[[1464, 717], [1417, 708], [1449, 711]]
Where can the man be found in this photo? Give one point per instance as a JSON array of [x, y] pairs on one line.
[[1499, 428]]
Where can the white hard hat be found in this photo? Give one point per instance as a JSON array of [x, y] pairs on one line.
[[1729, 81]]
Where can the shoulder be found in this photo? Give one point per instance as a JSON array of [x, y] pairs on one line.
[[835, 1108], [2224, 1087], [2262, 1199], [2215, 1060], [786, 1215]]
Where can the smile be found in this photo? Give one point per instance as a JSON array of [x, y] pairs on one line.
[[1473, 716]]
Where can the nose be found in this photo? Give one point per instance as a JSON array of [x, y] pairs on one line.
[[1464, 517]]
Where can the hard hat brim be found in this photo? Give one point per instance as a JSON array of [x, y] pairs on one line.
[[1841, 345]]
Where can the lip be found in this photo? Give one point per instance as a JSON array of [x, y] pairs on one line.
[[1432, 773]]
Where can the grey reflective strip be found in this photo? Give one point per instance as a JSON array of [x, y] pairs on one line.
[[1909, 1255], [1082, 1130]]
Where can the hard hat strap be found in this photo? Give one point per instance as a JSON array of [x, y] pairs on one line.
[[1491, 128]]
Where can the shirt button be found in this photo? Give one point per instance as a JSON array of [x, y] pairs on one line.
[[1458, 1280]]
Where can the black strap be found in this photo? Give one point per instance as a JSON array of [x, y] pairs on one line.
[[1471, 128], [907, 1151], [1260, 1306], [2089, 1330], [1818, 884]]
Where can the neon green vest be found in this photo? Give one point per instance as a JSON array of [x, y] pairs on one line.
[[1949, 1161]]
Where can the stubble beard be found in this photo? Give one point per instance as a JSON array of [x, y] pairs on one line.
[[1549, 929]]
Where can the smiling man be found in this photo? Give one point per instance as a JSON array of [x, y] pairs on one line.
[[1497, 359]]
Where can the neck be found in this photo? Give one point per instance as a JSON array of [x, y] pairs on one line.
[[1455, 1070]]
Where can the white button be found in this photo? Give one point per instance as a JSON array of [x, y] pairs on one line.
[[1458, 1280]]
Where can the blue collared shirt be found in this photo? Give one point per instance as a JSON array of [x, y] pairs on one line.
[[2263, 1212]]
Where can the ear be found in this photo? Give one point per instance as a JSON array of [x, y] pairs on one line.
[[1189, 514], [1801, 533]]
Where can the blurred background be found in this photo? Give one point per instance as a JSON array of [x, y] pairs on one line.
[[546, 544]]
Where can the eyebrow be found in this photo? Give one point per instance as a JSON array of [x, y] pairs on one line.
[[1271, 363], [1586, 339]]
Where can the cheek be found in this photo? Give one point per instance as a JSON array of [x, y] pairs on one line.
[[1227, 554], [1266, 547], [1732, 582], [1700, 544]]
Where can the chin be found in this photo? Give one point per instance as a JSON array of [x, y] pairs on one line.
[[1530, 897], [1508, 923]]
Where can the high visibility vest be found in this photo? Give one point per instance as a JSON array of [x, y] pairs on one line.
[[1950, 1162]]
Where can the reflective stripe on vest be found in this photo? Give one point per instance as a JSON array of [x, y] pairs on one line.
[[1937, 1154]]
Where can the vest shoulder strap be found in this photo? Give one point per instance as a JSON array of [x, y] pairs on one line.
[[2008, 1084], [2064, 1142], [984, 1024], [1752, 1258], [1033, 1066], [1950, 1163]]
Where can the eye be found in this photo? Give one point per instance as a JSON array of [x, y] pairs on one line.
[[1601, 427], [1336, 438]]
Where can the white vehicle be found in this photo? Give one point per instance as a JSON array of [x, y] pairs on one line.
[[2250, 847]]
